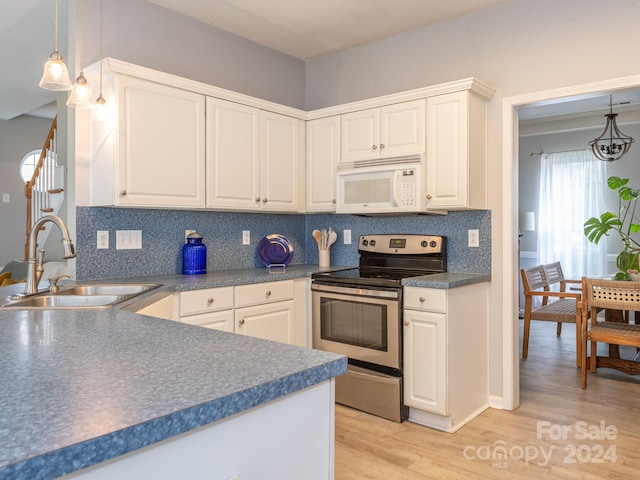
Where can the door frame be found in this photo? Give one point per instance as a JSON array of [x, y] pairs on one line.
[[510, 174]]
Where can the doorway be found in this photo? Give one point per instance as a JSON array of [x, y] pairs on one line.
[[509, 233]]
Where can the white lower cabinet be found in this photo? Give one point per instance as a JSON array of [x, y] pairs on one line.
[[272, 310], [210, 308], [445, 355]]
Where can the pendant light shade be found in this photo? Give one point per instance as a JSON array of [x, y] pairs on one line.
[[612, 144], [81, 93], [55, 76]]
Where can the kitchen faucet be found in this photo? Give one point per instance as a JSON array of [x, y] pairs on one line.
[[34, 270]]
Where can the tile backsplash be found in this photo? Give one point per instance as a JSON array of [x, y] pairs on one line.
[[163, 236]]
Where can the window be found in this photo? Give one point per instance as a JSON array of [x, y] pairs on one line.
[[28, 165], [572, 190]]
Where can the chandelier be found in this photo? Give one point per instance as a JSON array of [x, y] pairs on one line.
[[612, 144]]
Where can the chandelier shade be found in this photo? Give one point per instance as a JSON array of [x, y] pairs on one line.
[[612, 144]]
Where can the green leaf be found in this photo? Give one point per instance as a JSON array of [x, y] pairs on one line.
[[595, 228], [628, 194], [626, 261], [616, 182], [621, 276]]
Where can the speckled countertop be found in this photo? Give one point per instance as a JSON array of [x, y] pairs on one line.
[[84, 386]]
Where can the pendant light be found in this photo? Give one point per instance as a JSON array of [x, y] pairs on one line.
[[81, 93], [99, 110], [612, 144], [55, 76]]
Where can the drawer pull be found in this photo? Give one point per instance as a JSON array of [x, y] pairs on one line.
[[422, 299], [241, 321], [268, 293], [210, 300]]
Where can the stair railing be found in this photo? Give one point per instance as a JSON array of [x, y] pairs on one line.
[[41, 187]]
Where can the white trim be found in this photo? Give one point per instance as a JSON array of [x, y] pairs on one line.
[[510, 367], [527, 254]]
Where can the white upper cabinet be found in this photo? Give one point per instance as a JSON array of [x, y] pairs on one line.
[[150, 152], [389, 131], [323, 155], [282, 174], [254, 158], [233, 156], [456, 151]]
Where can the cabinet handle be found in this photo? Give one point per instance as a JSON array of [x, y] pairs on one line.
[[241, 321], [422, 299], [428, 197], [123, 193], [406, 323], [257, 199], [268, 293], [210, 300], [374, 147], [382, 145], [334, 201], [264, 200]]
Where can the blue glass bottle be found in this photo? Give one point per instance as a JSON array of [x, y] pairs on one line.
[[194, 255]]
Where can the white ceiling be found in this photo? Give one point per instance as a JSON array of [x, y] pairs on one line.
[[304, 29]]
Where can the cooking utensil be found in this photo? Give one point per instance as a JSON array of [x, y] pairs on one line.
[[333, 236], [318, 237], [323, 233]]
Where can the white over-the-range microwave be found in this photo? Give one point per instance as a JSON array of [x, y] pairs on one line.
[[390, 186]]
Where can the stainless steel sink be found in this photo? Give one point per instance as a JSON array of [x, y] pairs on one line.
[[83, 296], [68, 301], [106, 289]]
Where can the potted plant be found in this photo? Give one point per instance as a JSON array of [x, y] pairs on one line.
[[625, 223]]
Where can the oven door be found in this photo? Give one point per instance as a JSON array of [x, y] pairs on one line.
[[361, 323]]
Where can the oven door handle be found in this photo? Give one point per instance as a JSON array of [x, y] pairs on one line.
[[393, 294]]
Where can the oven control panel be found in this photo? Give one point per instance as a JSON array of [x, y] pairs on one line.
[[402, 244]]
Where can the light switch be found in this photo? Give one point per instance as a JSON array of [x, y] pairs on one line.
[[6, 198], [128, 239], [346, 235]]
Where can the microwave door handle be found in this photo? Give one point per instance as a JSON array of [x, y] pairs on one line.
[[394, 191]]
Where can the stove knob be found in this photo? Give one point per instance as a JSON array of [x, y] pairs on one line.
[[372, 243], [433, 244], [424, 243], [365, 242]]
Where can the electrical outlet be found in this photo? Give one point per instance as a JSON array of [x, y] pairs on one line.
[[346, 235], [187, 233], [103, 240], [128, 239], [474, 237], [6, 198], [246, 237]]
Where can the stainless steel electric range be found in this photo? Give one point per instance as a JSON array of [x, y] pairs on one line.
[[357, 312]]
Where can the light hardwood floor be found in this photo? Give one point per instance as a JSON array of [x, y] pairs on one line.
[[607, 413]]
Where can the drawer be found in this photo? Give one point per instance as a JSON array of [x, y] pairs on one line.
[[222, 320], [425, 299], [260, 293], [208, 300]]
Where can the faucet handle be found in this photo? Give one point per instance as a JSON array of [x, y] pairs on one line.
[[53, 283]]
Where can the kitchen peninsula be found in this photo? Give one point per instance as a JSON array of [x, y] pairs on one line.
[[108, 393]]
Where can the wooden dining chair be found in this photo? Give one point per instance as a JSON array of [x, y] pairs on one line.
[[611, 295], [557, 306], [554, 274]]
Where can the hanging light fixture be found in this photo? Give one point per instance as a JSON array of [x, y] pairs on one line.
[[55, 76], [612, 144], [81, 93], [99, 111]]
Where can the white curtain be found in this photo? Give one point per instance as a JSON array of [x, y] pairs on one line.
[[572, 189]]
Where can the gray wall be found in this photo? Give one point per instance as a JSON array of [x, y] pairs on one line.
[[145, 34], [17, 137]]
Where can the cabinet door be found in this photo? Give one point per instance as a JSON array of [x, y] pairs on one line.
[[447, 151], [323, 155], [425, 361], [161, 145], [233, 167], [273, 321], [223, 320], [402, 129], [282, 173], [360, 135]]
